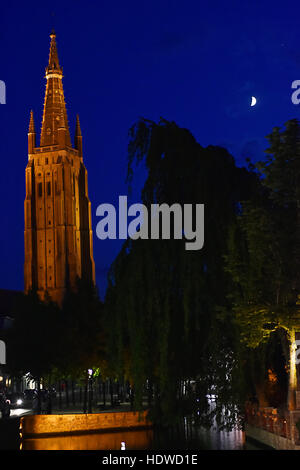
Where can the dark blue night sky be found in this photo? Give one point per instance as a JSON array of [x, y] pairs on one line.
[[194, 62]]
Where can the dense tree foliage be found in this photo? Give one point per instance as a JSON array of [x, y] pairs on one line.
[[57, 343], [263, 257], [167, 309]]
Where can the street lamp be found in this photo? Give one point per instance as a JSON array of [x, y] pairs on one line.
[[90, 379]]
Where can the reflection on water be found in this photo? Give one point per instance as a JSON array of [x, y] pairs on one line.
[[195, 438], [132, 440], [221, 440]]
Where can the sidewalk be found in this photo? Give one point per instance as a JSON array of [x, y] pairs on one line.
[[95, 409], [78, 409]]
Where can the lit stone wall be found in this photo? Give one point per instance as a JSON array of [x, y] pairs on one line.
[[79, 423], [270, 439]]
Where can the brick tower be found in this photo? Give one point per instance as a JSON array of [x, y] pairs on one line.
[[58, 229]]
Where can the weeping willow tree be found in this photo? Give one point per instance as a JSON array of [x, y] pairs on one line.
[[168, 316]]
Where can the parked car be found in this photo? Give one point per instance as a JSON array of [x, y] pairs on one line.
[[4, 406]]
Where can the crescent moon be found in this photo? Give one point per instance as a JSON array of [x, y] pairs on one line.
[[253, 101]]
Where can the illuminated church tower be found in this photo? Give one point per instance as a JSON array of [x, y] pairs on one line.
[[58, 230]]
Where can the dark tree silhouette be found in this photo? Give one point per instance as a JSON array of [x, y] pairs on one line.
[[167, 309]]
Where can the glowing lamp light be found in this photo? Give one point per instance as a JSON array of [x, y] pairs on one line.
[[90, 372], [123, 445]]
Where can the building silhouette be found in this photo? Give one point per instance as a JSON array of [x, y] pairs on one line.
[[58, 229]]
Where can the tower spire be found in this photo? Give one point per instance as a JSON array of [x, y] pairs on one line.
[[54, 104], [31, 134], [31, 124], [53, 64], [78, 128], [78, 137]]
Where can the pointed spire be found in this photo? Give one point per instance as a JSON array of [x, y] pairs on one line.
[[78, 137], [77, 129], [55, 112], [31, 124], [53, 64], [31, 134]]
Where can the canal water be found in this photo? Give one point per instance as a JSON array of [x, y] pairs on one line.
[[147, 439]]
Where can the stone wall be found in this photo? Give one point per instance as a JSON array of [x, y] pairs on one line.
[[45, 425], [270, 439], [273, 428]]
